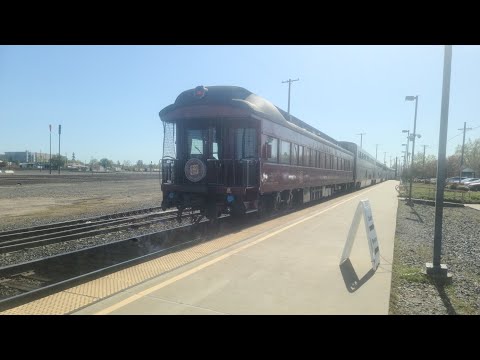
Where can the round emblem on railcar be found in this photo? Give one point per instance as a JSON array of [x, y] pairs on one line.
[[195, 170]]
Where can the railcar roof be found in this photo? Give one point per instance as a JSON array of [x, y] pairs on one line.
[[239, 97]]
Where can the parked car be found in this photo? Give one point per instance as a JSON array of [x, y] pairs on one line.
[[475, 186], [469, 181], [455, 180]]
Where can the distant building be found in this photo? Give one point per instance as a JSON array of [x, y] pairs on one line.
[[25, 156], [18, 156], [467, 172]]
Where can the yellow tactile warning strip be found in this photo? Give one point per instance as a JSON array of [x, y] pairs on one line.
[[72, 299], [82, 295], [51, 305]]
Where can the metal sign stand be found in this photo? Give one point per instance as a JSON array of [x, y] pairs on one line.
[[363, 207]]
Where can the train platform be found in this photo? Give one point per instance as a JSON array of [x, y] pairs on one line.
[[289, 265]]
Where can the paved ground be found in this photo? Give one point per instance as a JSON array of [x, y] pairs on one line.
[[289, 265]]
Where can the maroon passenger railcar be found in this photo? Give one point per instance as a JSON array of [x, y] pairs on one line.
[[227, 150]]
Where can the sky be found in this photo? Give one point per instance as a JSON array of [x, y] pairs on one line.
[[107, 98]]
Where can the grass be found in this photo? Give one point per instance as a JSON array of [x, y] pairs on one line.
[[413, 274], [461, 307], [427, 192]]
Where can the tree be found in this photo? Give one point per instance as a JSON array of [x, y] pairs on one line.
[[471, 156], [140, 164], [453, 165], [430, 168], [106, 163], [73, 156], [127, 165], [58, 161]]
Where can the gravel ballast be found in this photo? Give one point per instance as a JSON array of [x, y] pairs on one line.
[[412, 292]]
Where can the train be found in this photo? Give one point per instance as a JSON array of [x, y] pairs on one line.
[[227, 150]]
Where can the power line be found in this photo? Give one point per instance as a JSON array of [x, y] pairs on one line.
[[453, 137]]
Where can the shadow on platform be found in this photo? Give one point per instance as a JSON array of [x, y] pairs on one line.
[[352, 282]]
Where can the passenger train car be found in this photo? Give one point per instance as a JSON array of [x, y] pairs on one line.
[[227, 150]]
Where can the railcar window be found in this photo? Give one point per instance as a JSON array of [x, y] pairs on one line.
[[195, 141], [245, 143], [295, 154], [321, 157], [300, 155], [215, 154], [272, 155], [285, 152], [307, 157]]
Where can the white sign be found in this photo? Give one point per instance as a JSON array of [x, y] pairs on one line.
[[363, 207]]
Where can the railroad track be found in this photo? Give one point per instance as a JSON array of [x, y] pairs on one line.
[[11, 180], [20, 239], [32, 280]]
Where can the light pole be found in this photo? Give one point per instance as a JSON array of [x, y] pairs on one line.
[[50, 126], [361, 138], [414, 135], [436, 269], [59, 157]]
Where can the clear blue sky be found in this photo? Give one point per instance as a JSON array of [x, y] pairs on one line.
[[107, 98]]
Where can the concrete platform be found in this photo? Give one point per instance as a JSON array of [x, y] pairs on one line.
[[474, 206], [289, 265]]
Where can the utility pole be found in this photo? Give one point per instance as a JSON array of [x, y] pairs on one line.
[[376, 150], [423, 166], [59, 156], [289, 81], [361, 138], [463, 144], [385, 158], [424, 146]]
